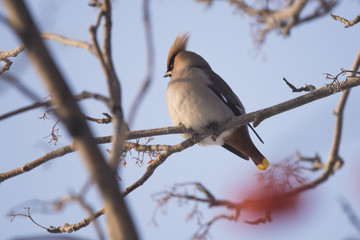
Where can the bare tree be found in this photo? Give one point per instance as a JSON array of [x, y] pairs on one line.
[[283, 181]]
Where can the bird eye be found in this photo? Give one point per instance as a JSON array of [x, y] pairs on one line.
[[171, 63]]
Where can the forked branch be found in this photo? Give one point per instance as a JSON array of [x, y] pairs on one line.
[[347, 23]]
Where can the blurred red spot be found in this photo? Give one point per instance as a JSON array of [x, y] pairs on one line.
[[268, 197], [259, 205]]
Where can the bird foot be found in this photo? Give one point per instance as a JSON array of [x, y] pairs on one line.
[[213, 129]]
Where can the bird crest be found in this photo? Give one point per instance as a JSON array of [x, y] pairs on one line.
[[179, 45]]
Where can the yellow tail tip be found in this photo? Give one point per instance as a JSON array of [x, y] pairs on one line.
[[264, 165]]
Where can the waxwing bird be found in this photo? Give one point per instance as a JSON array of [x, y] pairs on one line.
[[198, 98]]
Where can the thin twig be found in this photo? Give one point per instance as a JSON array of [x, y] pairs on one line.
[[203, 230], [54, 134], [120, 128], [75, 227], [68, 41], [28, 215], [81, 96], [105, 120], [12, 53], [105, 59], [150, 62], [6, 66], [307, 88], [80, 199], [350, 213], [49, 36], [11, 79], [347, 23]]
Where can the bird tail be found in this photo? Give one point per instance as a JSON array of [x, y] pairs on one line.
[[240, 143]]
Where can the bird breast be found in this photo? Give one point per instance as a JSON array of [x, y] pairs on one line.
[[192, 103]]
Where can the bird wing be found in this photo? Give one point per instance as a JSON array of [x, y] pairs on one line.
[[225, 94]]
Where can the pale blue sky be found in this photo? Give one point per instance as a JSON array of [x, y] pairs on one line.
[[222, 37]]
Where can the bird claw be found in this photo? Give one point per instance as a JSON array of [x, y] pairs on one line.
[[214, 137], [195, 136], [213, 130]]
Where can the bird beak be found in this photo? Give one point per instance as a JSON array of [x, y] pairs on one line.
[[167, 74]]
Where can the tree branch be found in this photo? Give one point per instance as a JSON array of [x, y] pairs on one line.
[[334, 152], [160, 159], [37, 162], [235, 122], [258, 116], [100, 140]]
